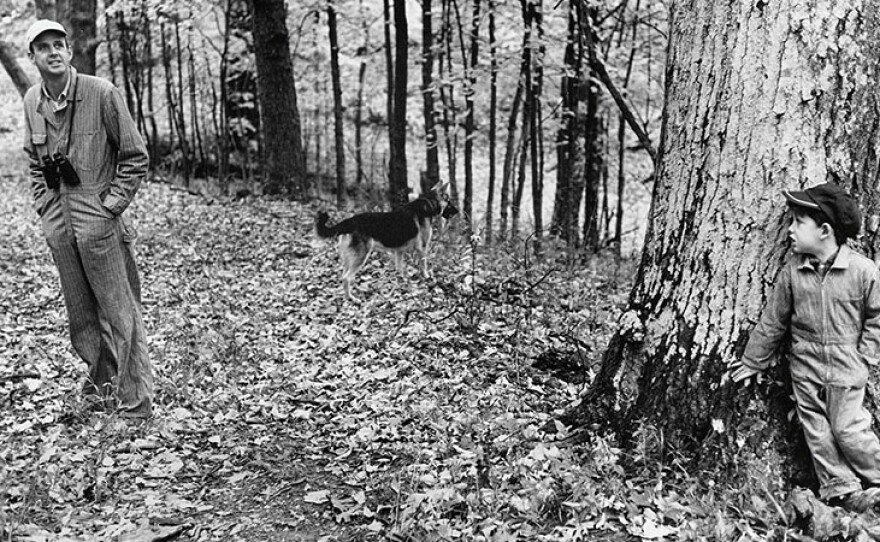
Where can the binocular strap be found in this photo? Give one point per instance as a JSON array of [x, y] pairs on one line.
[[69, 126]]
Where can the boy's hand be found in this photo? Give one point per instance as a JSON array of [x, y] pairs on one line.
[[740, 372]]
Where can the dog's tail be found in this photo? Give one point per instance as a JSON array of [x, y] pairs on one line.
[[324, 231]]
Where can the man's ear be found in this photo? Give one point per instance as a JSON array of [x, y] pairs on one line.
[[827, 229]]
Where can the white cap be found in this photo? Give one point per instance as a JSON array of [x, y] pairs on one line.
[[42, 25]]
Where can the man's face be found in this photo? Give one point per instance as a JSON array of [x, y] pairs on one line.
[[806, 236], [51, 54]]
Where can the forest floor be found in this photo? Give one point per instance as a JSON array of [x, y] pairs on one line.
[[284, 413]]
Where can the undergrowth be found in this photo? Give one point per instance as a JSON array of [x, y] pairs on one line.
[[283, 411]]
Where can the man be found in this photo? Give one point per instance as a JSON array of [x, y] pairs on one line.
[[87, 161]]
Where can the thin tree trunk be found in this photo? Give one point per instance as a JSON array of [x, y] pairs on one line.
[[621, 137], [447, 96], [493, 122], [125, 55], [469, 131], [153, 133], [510, 154], [222, 116], [186, 156], [536, 65], [363, 51], [337, 106], [389, 64], [432, 158], [193, 106], [528, 111], [169, 83], [519, 186], [109, 24]]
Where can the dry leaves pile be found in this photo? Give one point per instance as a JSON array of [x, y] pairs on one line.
[[285, 414]]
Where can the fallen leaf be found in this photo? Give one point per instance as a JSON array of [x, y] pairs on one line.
[[317, 497]]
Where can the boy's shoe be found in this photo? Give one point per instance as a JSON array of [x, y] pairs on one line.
[[859, 501]]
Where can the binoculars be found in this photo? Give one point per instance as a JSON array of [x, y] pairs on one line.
[[58, 169]]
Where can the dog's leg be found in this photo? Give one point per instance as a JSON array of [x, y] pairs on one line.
[[424, 248], [353, 253], [399, 262]]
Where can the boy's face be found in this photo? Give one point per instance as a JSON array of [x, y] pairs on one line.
[[807, 237]]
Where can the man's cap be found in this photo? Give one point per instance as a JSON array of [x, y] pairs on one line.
[[43, 25], [840, 208]]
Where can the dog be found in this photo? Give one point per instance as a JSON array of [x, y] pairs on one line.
[[405, 228]]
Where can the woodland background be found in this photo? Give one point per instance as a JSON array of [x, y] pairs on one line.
[[452, 409]]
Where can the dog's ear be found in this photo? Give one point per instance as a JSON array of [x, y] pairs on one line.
[[439, 188]]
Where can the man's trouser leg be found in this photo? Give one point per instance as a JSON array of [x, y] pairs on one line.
[[100, 291]]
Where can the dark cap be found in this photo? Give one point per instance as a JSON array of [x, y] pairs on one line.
[[840, 208]]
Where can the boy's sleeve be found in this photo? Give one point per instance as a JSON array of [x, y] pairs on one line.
[[869, 343], [773, 325]]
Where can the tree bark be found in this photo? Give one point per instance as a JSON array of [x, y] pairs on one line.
[[79, 18], [493, 120], [337, 106], [570, 139], [759, 99], [398, 185], [432, 154], [10, 63], [283, 163], [535, 19], [469, 131], [447, 98], [362, 53], [81, 23]]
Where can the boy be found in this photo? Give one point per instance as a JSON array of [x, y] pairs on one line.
[[828, 298]]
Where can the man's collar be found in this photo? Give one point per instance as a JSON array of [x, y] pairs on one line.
[[69, 87]]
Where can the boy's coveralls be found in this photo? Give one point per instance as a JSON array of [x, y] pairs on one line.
[[835, 334]]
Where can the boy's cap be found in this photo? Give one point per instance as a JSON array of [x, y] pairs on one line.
[[840, 208], [43, 25]]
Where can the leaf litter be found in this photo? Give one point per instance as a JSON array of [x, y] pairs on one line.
[[284, 413]]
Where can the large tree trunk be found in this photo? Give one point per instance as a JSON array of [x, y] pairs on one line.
[[282, 152], [760, 98], [398, 185], [570, 140]]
